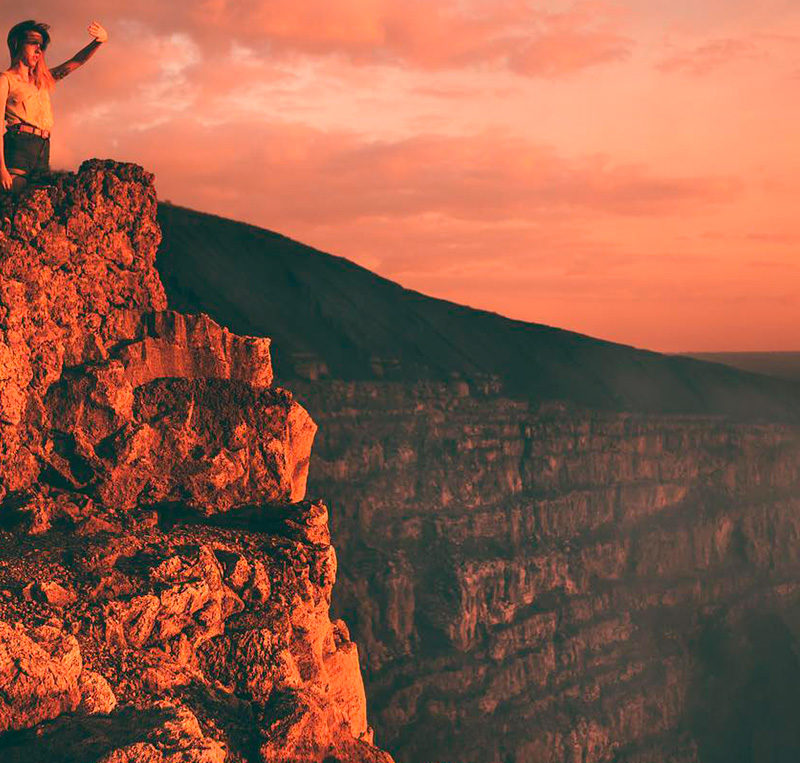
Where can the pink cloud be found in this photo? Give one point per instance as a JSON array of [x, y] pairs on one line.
[[306, 175], [710, 56], [505, 33], [585, 36], [567, 52], [446, 34], [393, 205]]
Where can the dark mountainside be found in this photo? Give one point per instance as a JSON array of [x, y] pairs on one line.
[[782, 365], [528, 582], [330, 317]]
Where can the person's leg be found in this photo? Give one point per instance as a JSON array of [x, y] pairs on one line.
[[18, 156], [20, 179], [39, 173]]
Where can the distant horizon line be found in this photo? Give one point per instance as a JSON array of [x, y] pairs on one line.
[[735, 352]]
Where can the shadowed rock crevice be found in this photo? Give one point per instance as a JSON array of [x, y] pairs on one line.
[[89, 739], [744, 703]]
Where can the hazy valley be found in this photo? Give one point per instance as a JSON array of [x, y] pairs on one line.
[[552, 548]]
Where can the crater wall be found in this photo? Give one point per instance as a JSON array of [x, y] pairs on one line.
[[548, 585]]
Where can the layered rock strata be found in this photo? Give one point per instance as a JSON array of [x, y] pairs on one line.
[[164, 586], [550, 585]]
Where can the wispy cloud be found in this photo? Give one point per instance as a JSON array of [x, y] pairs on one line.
[[710, 56], [426, 34], [309, 175]]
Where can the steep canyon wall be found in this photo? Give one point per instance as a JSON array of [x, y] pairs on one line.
[[554, 585]]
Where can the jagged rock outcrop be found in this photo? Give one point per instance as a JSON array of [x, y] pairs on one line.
[[226, 618], [549, 585], [194, 347], [164, 586], [76, 276], [38, 676], [210, 444]]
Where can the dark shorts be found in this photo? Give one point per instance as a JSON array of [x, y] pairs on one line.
[[26, 152]]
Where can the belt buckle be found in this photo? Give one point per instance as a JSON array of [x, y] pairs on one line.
[[37, 131]]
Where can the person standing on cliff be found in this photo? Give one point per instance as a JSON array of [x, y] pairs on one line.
[[25, 100]]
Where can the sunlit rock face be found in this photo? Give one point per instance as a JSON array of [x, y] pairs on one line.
[[164, 584], [76, 275], [549, 585]]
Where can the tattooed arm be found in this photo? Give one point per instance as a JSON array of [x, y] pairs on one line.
[[82, 56]]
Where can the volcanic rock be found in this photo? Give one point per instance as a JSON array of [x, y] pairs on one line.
[[38, 675], [166, 587], [76, 275]]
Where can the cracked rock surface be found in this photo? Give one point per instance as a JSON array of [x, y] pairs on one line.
[[165, 584]]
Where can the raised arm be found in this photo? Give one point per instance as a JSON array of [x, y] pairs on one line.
[[82, 56]]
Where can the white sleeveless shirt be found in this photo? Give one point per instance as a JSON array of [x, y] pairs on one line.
[[27, 103]]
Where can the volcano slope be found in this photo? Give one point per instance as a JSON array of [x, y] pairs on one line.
[[554, 548], [334, 318]]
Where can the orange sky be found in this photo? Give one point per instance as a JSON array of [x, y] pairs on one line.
[[625, 169]]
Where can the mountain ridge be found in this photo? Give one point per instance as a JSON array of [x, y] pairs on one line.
[[330, 317]]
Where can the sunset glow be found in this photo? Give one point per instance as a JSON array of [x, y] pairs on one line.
[[625, 169]]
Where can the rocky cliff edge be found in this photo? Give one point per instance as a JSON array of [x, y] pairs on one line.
[[164, 586]]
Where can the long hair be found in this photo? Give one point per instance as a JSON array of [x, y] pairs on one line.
[[42, 77]]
